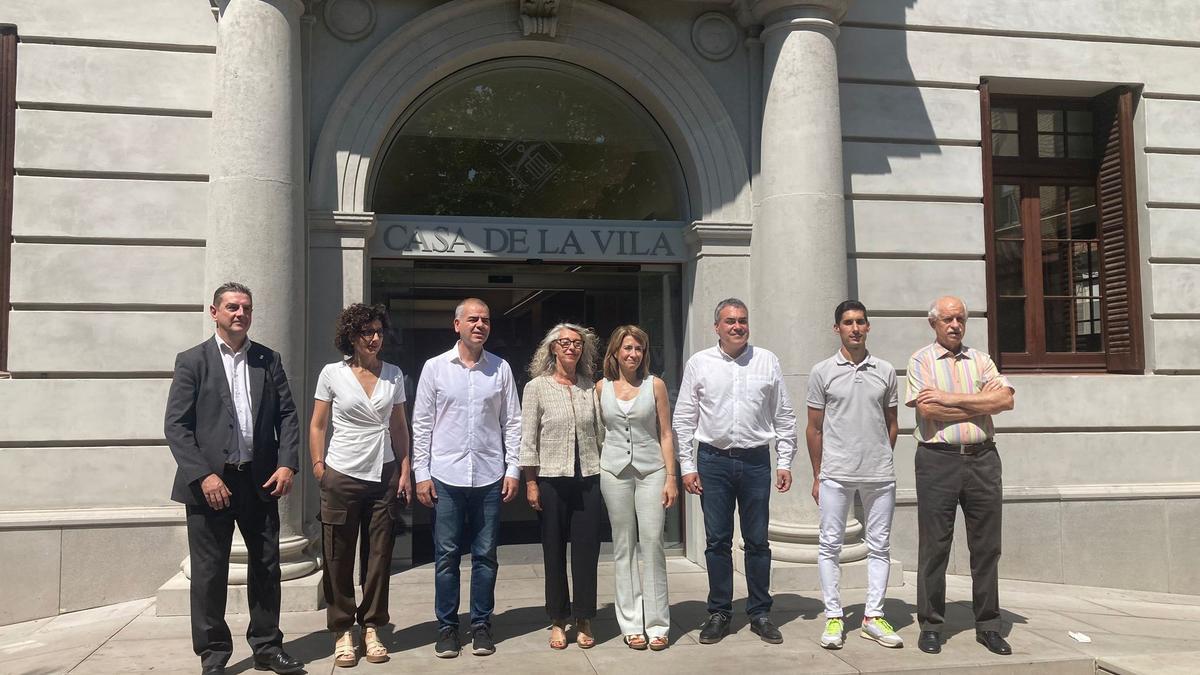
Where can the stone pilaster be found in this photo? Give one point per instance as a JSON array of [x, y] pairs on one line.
[[798, 251], [256, 230]]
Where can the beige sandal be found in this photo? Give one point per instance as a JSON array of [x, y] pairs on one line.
[[375, 651], [344, 653], [583, 634], [558, 636], [659, 643]]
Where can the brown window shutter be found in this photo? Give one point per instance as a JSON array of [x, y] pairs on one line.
[[985, 116], [1117, 197]]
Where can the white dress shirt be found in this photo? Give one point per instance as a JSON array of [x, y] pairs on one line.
[[362, 435], [734, 403], [237, 374], [466, 421]]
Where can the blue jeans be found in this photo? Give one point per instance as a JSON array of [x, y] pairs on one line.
[[746, 481], [465, 517]]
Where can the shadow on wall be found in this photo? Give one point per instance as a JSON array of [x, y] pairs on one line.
[[884, 116]]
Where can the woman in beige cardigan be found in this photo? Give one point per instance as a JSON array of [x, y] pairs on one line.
[[560, 454]]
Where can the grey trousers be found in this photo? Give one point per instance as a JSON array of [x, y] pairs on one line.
[[636, 513], [946, 480]]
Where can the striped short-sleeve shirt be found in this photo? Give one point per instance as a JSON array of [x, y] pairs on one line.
[[965, 372]]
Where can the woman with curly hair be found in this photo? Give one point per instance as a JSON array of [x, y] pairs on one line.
[[638, 481], [560, 454], [363, 476]]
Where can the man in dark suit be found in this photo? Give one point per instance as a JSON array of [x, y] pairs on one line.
[[233, 429]]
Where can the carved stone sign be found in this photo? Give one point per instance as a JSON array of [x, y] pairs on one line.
[[539, 17], [523, 240]]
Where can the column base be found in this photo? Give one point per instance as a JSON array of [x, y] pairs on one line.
[[787, 576], [298, 595]]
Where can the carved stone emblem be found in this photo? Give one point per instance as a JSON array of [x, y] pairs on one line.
[[714, 36], [350, 20], [539, 17]]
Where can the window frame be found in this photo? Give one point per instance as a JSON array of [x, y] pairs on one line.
[[8, 116], [1031, 172]]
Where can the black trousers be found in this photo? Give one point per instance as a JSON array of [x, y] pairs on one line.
[[210, 535], [946, 480], [571, 511]]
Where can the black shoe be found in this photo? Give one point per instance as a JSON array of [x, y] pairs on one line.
[[481, 641], [930, 642], [762, 627], [714, 628], [992, 640], [279, 662], [213, 670], [447, 646]]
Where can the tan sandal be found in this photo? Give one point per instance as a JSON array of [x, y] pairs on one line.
[[659, 643], [583, 634], [344, 653], [635, 641], [375, 651], [558, 636]]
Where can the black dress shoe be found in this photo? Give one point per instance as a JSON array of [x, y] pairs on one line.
[[930, 642], [714, 628], [762, 627], [992, 640], [279, 662], [213, 670]]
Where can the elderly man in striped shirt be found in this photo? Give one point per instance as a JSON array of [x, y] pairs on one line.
[[956, 389]]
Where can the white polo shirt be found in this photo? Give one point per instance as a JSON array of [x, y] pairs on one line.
[[854, 437]]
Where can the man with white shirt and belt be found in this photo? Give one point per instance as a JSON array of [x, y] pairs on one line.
[[733, 402], [466, 439]]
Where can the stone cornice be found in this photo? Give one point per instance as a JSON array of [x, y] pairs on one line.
[[711, 237], [340, 229]]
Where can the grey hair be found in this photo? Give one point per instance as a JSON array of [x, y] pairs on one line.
[[933, 306], [462, 306], [728, 302], [543, 360]]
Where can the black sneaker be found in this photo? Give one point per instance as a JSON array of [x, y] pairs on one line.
[[714, 628], [481, 640], [447, 646]]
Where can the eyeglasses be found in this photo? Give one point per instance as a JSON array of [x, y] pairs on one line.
[[564, 343], [369, 333]]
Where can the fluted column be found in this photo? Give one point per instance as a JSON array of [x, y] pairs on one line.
[[798, 249], [256, 228]]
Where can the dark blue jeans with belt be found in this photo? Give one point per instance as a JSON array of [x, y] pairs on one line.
[[743, 480], [465, 519]]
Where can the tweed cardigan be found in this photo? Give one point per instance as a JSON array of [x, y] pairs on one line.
[[553, 418]]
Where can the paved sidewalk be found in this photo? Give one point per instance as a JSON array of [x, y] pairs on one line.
[[1132, 632]]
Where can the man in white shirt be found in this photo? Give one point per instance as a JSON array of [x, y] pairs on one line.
[[733, 402], [851, 432], [466, 440]]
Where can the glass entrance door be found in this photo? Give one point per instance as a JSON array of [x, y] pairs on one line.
[[526, 300]]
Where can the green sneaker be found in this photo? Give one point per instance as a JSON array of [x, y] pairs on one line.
[[832, 637], [882, 632]]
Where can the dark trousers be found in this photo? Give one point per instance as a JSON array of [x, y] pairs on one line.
[[571, 511], [465, 519], [744, 481], [210, 535], [946, 480], [349, 504]]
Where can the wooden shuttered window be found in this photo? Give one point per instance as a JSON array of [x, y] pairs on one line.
[[1117, 201], [8, 114], [1061, 232]]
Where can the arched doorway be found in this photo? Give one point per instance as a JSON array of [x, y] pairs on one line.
[[548, 191]]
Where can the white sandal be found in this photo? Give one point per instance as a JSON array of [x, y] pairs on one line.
[[376, 652], [344, 653]]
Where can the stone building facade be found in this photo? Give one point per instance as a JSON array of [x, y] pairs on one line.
[[622, 160]]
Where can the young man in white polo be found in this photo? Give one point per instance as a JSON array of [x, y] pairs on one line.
[[851, 434]]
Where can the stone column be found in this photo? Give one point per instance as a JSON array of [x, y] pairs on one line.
[[256, 228], [798, 248]]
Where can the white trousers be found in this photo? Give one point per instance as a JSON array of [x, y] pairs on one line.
[[636, 513], [879, 503]]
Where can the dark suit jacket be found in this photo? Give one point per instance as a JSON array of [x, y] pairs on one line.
[[200, 421]]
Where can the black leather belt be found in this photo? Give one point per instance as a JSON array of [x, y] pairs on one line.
[[237, 466], [732, 452], [961, 448]]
